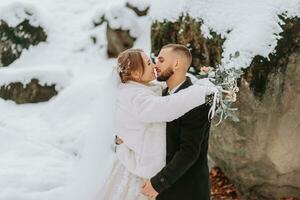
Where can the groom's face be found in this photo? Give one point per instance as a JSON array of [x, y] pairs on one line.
[[164, 64]]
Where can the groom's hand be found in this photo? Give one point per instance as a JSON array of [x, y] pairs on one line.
[[148, 190]]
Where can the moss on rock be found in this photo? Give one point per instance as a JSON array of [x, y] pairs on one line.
[[260, 68], [187, 31]]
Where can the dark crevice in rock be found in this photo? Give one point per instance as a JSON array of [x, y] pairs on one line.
[[14, 39], [187, 31], [32, 92]]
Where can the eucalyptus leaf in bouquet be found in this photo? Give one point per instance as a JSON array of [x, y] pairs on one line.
[[226, 81]]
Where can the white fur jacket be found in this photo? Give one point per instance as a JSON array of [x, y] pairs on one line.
[[140, 121]]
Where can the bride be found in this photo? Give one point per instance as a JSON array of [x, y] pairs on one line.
[[140, 121]]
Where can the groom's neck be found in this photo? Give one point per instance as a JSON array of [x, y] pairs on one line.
[[174, 81]]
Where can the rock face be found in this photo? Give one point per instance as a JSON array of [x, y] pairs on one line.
[[187, 31], [118, 40], [118, 37], [32, 92], [261, 154], [14, 39]]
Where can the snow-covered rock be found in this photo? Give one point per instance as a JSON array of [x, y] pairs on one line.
[[14, 39], [32, 85], [205, 47], [261, 154], [60, 149]]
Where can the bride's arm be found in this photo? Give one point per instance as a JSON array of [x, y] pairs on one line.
[[152, 108]]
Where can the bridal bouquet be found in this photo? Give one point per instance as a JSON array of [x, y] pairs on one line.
[[226, 82]]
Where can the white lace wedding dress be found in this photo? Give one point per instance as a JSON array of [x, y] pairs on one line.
[[122, 185]]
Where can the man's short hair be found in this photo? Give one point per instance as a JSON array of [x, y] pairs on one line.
[[181, 49]]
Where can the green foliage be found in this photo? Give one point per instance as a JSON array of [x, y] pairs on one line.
[[226, 81]]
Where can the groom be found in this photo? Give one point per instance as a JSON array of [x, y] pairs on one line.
[[186, 174]]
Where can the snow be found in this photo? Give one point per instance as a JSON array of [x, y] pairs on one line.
[[14, 12], [47, 76], [60, 149], [253, 24]]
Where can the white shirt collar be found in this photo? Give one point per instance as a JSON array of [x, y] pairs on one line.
[[174, 89]]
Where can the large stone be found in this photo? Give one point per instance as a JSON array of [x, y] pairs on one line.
[[261, 154], [118, 39], [187, 31], [14, 39], [32, 92]]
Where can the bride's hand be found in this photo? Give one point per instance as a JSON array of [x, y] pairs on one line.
[[118, 140]]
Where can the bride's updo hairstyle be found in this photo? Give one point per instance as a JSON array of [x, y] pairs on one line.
[[129, 61]]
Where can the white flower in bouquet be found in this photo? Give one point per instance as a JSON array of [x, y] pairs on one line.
[[226, 82]]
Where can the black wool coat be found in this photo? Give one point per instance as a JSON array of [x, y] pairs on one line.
[[186, 174]]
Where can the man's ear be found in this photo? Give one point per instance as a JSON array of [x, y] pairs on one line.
[[176, 66]]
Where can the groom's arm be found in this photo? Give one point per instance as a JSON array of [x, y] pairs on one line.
[[194, 124]]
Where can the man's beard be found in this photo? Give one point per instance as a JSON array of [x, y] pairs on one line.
[[165, 75]]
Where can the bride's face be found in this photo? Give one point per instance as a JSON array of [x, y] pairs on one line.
[[148, 74]]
